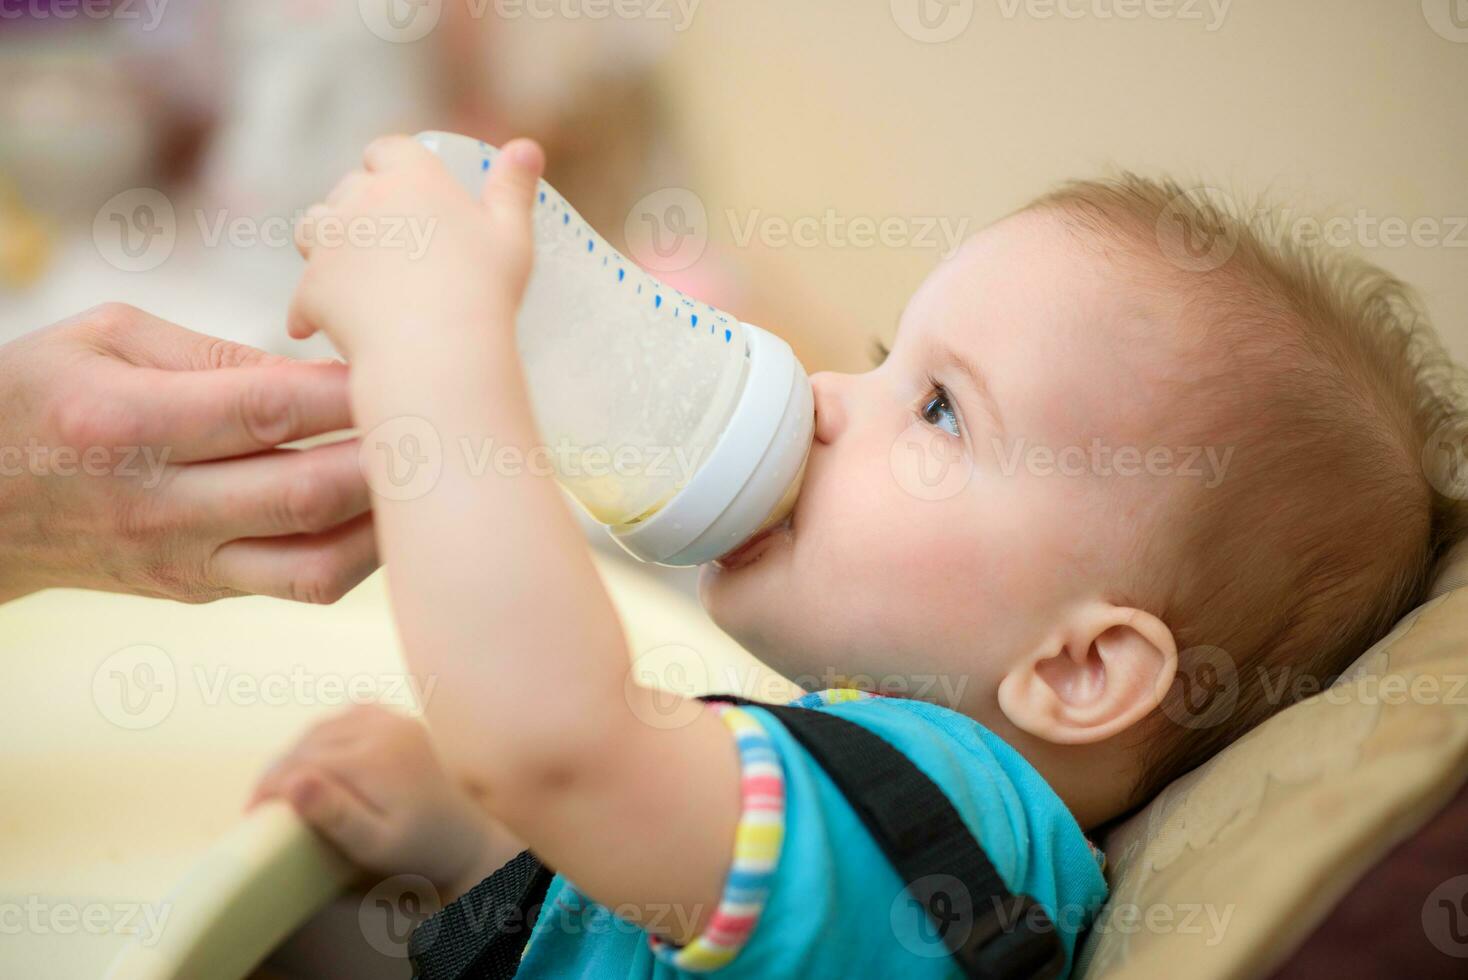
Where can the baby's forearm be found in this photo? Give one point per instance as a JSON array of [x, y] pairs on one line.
[[496, 598]]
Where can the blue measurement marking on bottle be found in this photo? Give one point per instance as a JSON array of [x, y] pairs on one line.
[[589, 244], [542, 197], [484, 165], [693, 317], [727, 335], [621, 274], [657, 301], [565, 219]]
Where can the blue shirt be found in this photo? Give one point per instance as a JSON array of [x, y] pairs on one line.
[[832, 905]]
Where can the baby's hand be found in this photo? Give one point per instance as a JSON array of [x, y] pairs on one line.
[[368, 781], [401, 249]]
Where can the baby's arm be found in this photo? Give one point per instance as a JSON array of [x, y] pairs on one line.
[[501, 612]]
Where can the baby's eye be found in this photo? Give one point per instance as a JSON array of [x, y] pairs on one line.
[[938, 410]]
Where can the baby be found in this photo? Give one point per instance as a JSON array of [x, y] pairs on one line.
[[1131, 467]]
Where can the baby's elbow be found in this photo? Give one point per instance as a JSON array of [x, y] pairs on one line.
[[531, 774]]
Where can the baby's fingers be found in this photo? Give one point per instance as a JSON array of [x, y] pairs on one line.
[[306, 234], [319, 749], [302, 319], [508, 194], [510, 188], [336, 813], [394, 153]]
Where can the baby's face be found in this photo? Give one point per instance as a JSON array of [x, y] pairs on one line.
[[934, 539]]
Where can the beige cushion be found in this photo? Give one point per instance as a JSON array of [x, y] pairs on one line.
[[1234, 864]]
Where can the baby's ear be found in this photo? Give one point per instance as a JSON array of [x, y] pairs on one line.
[[1101, 671]]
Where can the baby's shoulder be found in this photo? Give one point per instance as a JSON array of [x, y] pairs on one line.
[[987, 779], [918, 726]]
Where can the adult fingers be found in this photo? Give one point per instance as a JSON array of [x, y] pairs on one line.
[[286, 491], [201, 415], [315, 568], [140, 338]]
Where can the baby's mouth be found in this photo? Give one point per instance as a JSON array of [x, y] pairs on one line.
[[753, 549]]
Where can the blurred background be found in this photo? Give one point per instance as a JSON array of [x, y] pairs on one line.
[[802, 164]]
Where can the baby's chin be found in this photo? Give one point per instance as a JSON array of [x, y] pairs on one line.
[[752, 561], [745, 597]]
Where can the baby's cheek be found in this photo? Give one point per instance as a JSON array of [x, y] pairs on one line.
[[927, 465]]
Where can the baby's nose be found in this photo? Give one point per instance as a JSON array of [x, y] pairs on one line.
[[829, 389]]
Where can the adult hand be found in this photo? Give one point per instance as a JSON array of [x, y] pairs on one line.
[[137, 456]]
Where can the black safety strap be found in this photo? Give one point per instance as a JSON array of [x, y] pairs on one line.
[[992, 933], [482, 934]]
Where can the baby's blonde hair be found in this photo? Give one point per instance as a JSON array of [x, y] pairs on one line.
[[1322, 374]]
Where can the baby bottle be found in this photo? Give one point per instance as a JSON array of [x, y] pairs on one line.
[[679, 427]]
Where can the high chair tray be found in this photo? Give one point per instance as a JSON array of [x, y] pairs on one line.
[[249, 891]]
